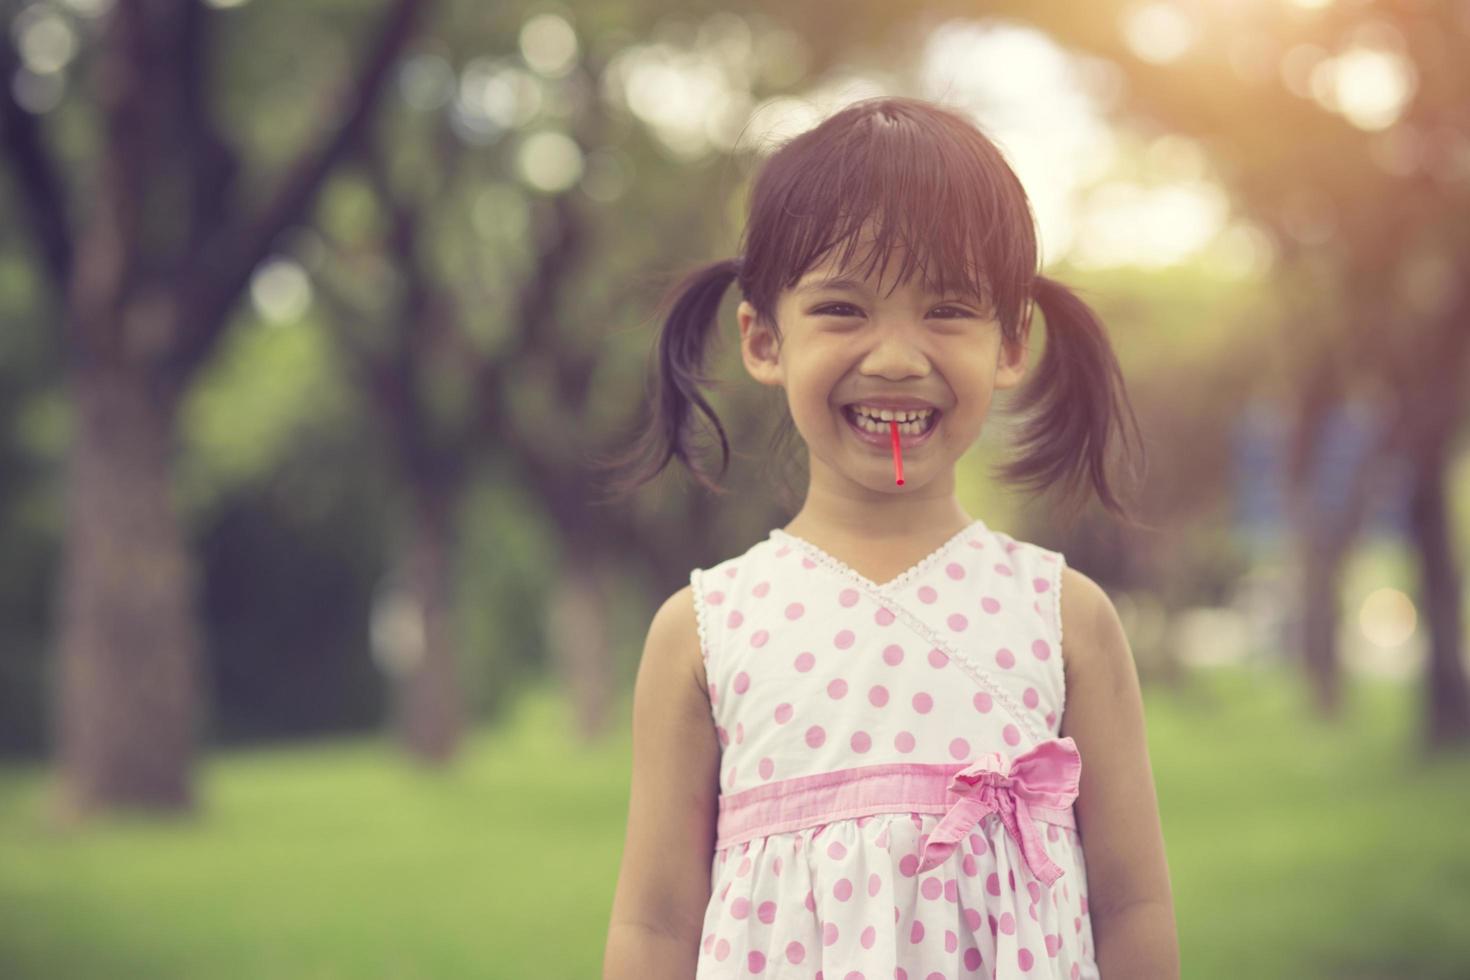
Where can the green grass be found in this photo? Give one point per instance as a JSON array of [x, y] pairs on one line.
[[1296, 849]]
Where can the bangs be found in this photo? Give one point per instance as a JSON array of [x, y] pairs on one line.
[[874, 179]]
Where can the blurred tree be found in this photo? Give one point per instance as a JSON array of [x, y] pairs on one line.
[[147, 254], [1342, 132]]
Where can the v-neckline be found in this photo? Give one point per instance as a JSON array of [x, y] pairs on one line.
[[902, 577]]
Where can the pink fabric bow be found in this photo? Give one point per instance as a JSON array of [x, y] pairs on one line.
[[1045, 775]]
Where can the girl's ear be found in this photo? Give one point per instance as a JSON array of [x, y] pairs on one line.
[[1011, 361], [759, 347]]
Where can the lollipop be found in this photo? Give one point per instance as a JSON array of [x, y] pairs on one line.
[[897, 455]]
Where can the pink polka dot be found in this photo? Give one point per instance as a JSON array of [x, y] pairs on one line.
[[722, 949], [908, 865], [938, 658], [742, 682], [842, 891], [1032, 888], [927, 594], [861, 742], [1040, 584], [869, 937], [972, 959], [805, 662], [951, 890], [1053, 943], [739, 732], [878, 695], [990, 605], [916, 933], [767, 767], [761, 589], [893, 655], [843, 639], [958, 622], [1011, 734], [714, 598], [1024, 957], [795, 952], [848, 597], [776, 865], [923, 702], [1007, 923], [931, 888], [759, 638], [992, 883], [808, 563], [903, 741], [1042, 649], [972, 919], [766, 912], [951, 941], [1051, 718], [734, 619], [740, 908], [829, 933], [977, 844], [1005, 658], [1031, 698], [795, 610], [709, 942], [1011, 877], [875, 884], [815, 736], [756, 960], [884, 616], [955, 570], [959, 748], [983, 702], [783, 713], [723, 733]]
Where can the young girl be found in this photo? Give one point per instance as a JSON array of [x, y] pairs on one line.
[[861, 749]]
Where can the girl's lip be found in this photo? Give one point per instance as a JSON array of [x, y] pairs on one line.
[[884, 440]]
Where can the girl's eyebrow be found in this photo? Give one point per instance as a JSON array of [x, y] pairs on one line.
[[853, 284], [834, 283]]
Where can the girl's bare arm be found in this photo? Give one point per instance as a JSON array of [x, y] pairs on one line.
[[664, 882], [1128, 891]]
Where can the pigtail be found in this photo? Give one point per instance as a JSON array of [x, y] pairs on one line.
[[693, 303], [1079, 397]]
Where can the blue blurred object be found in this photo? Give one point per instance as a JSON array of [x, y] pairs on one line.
[[1347, 435]]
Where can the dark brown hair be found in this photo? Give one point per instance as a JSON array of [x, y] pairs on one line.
[[926, 176]]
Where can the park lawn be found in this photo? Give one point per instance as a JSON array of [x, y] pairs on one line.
[[1296, 849]]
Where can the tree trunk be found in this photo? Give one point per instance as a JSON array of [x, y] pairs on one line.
[[1318, 569], [578, 635], [1447, 709], [429, 712], [128, 638]]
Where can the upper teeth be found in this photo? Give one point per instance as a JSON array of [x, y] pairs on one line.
[[888, 414]]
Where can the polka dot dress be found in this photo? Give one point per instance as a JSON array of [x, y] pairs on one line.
[[843, 707]]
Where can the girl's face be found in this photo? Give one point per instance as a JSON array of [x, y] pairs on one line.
[[852, 342]]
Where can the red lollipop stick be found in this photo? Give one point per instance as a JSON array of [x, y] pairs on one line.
[[897, 456]]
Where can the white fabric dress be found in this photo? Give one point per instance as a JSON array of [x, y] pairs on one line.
[[895, 799]]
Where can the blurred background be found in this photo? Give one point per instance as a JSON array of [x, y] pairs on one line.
[[316, 639]]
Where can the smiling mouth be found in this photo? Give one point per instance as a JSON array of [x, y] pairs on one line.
[[882, 431]]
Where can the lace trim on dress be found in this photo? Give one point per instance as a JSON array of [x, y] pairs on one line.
[[903, 577], [878, 593], [697, 590], [1056, 591]]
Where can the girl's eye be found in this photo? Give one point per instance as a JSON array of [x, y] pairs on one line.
[[832, 309]]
